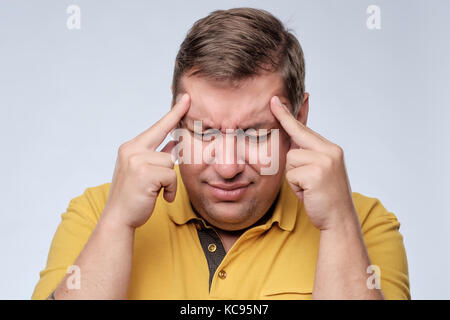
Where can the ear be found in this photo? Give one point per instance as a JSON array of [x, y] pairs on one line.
[[302, 114]]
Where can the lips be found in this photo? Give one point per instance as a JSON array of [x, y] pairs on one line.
[[228, 192]]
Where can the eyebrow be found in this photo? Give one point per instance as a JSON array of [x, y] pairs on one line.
[[263, 125], [190, 120]]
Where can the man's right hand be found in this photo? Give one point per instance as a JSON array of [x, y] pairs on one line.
[[141, 171]]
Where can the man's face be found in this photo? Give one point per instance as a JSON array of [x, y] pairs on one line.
[[233, 195]]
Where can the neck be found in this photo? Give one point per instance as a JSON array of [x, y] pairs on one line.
[[230, 237]]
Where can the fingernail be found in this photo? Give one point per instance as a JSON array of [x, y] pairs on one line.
[[278, 101], [281, 104]]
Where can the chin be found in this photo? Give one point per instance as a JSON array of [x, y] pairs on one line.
[[230, 216]]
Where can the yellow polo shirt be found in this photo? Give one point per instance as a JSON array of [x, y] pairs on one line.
[[276, 260]]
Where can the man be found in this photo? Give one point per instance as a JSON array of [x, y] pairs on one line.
[[223, 229]]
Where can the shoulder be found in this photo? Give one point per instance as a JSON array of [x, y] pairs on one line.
[[91, 202], [371, 210], [385, 246]]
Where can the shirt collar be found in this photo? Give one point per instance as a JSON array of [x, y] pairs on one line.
[[285, 212]]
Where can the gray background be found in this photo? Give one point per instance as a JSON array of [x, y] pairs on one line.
[[69, 98]]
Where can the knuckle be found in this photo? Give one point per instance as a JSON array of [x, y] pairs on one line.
[[328, 162], [151, 191], [290, 155], [337, 152], [290, 176], [134, 162], [172, 175], [167, 158], [124, 149], [319, 172]]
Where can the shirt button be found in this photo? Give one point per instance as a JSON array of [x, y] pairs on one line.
[[222, 274], [212, 247]]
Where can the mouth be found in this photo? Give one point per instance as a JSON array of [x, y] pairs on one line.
[[228, 192]]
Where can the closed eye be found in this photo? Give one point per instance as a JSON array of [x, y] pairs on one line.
[[208, 133], [261, 135], [252, 134]]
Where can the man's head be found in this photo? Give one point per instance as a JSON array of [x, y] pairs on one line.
[[231, 64]]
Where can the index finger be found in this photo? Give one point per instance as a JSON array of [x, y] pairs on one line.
[[299, 133], [155, 135]]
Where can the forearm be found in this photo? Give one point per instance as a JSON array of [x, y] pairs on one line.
[[104, 264], [341, 271]]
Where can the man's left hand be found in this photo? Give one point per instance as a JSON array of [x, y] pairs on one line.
[[315, 170]]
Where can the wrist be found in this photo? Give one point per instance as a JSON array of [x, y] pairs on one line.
[[109, 221], [342, 221]]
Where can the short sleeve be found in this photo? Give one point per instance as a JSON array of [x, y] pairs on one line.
[[74, 230], [384, 243]]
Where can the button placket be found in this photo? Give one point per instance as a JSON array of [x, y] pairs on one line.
[[213, 249]]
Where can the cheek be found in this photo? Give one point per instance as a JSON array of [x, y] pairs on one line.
[[275, 147], [270, 156], [190, 150], [191, 174], [189, 169], [285, 144], [267, 187]]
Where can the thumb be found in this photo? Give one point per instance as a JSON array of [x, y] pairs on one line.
[[297, 190], [170, 190]]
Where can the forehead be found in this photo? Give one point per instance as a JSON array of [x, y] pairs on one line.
[[221, 106]]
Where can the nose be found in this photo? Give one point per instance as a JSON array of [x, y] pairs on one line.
[[229, 160]]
